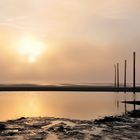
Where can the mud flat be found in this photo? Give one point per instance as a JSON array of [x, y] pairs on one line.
[[124, 127]]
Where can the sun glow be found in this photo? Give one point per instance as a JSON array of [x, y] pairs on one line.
[[30, 48]]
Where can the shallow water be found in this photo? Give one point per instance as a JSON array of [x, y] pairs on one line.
[[73, 105]]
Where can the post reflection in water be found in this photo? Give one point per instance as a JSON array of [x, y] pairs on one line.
[[125, 105], [117, 101], [134, 99], [134, 102], [74, 105]]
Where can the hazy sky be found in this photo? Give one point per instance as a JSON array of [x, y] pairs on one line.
[[78, 40]]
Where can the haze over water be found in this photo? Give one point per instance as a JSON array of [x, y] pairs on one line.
[[76, 41]]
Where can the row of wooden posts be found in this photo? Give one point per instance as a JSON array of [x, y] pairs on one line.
[[117, 72]]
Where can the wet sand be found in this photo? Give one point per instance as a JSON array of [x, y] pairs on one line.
[[124, 127]]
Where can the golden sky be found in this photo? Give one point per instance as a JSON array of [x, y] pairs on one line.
[[58, 41]]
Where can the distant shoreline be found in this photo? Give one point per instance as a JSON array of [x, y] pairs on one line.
[[69, 88]]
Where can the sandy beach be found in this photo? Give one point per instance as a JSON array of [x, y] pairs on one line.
[[124, 127]]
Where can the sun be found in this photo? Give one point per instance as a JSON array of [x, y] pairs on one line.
[[30, 49]]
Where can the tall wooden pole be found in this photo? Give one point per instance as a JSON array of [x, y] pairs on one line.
[[125, 71], [134, 71], [118, 80], [115, 81]]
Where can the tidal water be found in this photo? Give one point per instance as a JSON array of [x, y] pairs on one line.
[[73, 105]]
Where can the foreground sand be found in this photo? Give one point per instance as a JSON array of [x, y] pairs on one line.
[[125, 127]]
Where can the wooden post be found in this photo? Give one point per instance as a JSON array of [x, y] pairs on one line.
[[134, 71], [118, 84], [125, 67], [115, 81]]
